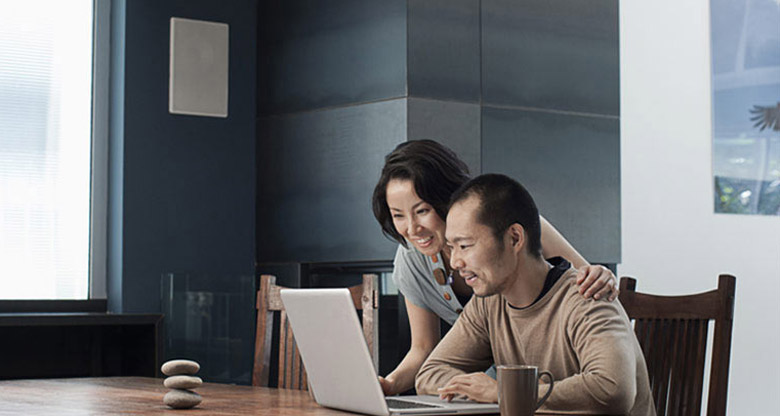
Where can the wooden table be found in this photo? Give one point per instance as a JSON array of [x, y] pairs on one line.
[[143, 396]]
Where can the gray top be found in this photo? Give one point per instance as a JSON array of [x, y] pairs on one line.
[[413, 274]]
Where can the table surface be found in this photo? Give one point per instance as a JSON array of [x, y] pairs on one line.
[[143, 396]]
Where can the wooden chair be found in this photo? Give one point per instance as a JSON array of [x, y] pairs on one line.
[[292, 375], [672, 331]]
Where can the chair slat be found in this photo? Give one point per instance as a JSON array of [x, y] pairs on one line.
[[721, 348], [701, 351], [296, 366], [304, 379], [263, 333], [662, 380], [285, 350], [681, 375], [690, 368]]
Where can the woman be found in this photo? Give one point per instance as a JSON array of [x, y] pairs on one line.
[[410, 202]]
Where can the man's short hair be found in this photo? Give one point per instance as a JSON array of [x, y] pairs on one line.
[[503, 202]]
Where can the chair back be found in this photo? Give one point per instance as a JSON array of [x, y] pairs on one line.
[[292, 375], [672, 331]]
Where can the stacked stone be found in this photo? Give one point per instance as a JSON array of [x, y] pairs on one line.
[[181, 379]]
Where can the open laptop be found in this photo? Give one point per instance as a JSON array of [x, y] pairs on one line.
[[338, 364]]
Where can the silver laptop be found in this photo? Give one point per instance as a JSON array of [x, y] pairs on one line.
[[338, 364]]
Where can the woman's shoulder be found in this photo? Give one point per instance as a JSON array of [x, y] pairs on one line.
[[410, 255], [410, 265]]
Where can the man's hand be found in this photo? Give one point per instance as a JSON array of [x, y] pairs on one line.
[[479, 387]]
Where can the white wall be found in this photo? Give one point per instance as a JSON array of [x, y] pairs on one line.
[[671, 239]]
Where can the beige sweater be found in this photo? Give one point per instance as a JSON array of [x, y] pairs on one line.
[[587, 345]]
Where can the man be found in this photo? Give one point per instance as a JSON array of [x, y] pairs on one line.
[[527, 311]]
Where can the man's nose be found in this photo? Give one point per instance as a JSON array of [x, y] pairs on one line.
[[455, 260]]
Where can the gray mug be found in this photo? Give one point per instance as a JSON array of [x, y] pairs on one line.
[[518, 389]]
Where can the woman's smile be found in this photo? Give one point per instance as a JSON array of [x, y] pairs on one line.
[[416, 220]]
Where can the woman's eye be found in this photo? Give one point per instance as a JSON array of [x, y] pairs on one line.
[[423, 211], [397, 216]]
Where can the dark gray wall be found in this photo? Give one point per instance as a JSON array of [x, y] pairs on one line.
[[571, 166], [332, 103], [529, 89], [182, 195], [316, 173], [550, 112], [318, 54], [444, 50]]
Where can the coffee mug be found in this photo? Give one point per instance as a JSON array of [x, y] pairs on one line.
[[518, 389]]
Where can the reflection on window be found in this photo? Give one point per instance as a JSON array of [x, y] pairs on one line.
[[746, 105], [45, 106]]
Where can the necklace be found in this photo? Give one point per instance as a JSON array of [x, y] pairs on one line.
[[440, 271]]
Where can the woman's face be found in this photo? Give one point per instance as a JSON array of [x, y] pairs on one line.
[[415, 219]]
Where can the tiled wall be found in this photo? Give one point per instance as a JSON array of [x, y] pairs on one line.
[[530, 89]]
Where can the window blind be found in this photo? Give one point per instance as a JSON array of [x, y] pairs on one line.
[[45, 141]]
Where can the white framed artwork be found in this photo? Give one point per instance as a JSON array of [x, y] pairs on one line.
[[198, 77]]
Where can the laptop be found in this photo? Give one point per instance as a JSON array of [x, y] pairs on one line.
[[339, 367]]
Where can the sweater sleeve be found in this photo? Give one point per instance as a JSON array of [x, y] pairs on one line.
[[465, 349], [601, 337]]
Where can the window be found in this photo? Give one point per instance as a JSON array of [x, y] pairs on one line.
[[46, 125], [746, 106]]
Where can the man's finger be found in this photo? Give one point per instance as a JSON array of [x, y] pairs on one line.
[[447, 397]]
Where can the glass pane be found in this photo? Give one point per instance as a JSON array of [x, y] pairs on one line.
[[45, 110], [746, 106], [210, 319]]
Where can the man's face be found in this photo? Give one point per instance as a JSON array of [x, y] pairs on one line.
[[487, 265]]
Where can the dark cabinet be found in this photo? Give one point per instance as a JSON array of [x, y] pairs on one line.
[[53, 345]]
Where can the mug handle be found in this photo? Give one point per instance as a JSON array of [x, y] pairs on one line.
[[549, 390]]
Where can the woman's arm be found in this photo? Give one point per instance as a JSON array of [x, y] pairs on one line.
[[426, 332], [595, 281]]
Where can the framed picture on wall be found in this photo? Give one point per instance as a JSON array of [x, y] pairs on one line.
[[745, 38]]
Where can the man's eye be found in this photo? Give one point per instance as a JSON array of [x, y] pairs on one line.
[[464, 246]]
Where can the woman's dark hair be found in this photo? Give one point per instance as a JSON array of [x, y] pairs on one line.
[[434, 169]]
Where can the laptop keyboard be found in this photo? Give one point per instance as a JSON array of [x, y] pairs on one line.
[[403, 404]]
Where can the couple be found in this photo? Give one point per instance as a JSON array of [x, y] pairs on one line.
[[494, 239]]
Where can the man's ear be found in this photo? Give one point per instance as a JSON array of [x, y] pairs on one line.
[[517, 236]]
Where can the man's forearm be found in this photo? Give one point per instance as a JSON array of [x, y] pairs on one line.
[[600, 394], [435, 373], [465, 349]]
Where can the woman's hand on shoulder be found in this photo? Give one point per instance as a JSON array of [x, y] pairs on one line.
[[597, 282]]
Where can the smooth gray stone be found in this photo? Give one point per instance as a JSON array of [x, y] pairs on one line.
[[182, 399], [182, 382], [177, 367]]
